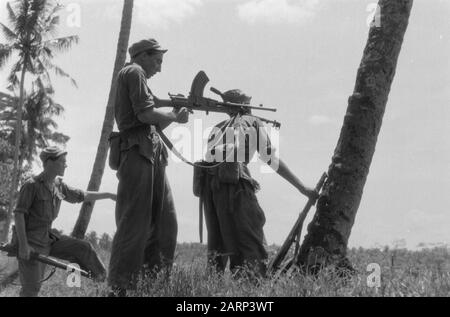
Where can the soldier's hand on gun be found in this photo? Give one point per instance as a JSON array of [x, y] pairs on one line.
[[25, 252], [181, 115]]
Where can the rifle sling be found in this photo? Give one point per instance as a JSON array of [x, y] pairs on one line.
[[169, 144]]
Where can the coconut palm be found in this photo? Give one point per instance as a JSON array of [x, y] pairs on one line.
[[30, 37], [38, 125], [329, 231], [108, 122]]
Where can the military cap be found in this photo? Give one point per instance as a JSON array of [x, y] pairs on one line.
[[236, 96], [145, 45], [51, 152]]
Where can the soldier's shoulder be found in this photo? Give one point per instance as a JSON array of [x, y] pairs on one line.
[[31, 181], [131, 68]]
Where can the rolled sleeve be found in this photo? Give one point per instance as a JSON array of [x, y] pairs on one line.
[[140, 95], [72, 195], [26, 197]]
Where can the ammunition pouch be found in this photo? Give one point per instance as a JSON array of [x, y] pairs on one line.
[[229, 172], [200, 172], [114, 150]]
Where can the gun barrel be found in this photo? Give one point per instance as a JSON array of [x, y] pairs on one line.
[[208, 105], [44, 259], [238, 105], [53, 262]]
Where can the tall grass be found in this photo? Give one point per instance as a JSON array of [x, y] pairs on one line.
[[403, 273]]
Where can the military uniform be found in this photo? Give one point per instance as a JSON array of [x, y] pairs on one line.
[[145, 213], [40, 206], [233, 216]]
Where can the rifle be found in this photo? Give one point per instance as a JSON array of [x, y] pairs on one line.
[[196, 102], [294, 235], [12, 252]]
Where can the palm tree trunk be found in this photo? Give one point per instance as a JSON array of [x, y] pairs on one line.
[[108, 123], [16, 167], [329, 231]]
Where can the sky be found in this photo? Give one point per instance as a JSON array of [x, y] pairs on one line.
[[298, 56]]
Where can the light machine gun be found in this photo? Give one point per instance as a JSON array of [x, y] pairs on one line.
[[196, 102]]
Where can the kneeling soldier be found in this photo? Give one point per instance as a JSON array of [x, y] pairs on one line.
[[37, 207]]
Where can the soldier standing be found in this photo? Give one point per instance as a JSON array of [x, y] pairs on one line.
[[233, 216], [145, 213]]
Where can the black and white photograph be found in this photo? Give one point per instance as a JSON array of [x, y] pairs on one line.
[[224, 154]]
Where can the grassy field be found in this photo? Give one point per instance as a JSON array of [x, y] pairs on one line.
[[403, 273]]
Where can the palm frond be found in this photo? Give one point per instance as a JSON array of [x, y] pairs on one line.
[[21, 17], [5, 53], [58, 71], [6, 99], [7, 104], [42, 142], [30, 66], [49, 122], [42, 72], [7, 115], [44, 87], [50, 28], [50, 20], [11, 13], [62, 44], [53, 10], [54, 108], [9, 35], [13, 80], [37, 9], [47, 52]]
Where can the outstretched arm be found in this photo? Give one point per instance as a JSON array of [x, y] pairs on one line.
[[282, 169], [93, 196]]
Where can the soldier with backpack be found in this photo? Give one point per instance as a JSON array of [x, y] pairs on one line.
[[233, 216]]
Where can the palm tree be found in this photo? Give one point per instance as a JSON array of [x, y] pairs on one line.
[[33, 24], [38, 125], [108, 123], [329, 231]]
